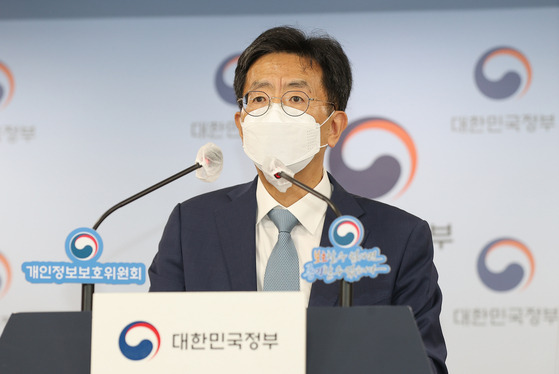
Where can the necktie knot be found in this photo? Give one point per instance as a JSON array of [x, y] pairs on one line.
[[284, 220]]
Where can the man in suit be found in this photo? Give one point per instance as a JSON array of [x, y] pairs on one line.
[[292, 92]]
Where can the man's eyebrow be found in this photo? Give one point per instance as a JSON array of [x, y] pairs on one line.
[[260, 84], [257, 85], [299, 84]]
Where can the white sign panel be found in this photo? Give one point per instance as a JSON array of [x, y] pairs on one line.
[[202, 332]]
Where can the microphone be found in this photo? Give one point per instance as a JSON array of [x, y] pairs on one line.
[[208, 166], [211, 159], [276, 169]]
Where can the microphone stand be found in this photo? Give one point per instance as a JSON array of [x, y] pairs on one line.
[[346, 288], [89, 289]]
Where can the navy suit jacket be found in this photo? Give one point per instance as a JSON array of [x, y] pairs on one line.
[[209, 245]]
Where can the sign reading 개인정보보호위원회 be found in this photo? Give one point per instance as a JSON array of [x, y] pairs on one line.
[[84, 247]]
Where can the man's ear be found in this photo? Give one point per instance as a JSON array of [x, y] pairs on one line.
[[238, 123], [337, 127]]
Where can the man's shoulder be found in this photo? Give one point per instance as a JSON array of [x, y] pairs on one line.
[[377, 210], [384, 217], [384, 209]]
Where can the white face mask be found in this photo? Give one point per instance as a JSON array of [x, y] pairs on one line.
[[276, 135]]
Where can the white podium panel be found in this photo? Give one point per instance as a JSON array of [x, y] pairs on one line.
[[202, 332]]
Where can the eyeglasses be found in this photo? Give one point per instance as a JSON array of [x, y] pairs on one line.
[[293, 103]]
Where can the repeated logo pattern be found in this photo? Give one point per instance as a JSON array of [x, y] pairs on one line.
[[7, 85], [384, 173], [226, 91], [5, 275], [510, 82], [514, 274]]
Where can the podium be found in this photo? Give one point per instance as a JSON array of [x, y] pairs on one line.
[[372, 339], [54, 342], [364, 339]]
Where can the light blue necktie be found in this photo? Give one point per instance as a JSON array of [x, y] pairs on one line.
[[282, 270]]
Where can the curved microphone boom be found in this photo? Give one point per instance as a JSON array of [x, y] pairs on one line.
[[209, 160], [282, 174], [346, 288], [208, 166]]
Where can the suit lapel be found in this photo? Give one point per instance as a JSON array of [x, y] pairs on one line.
[[323, 294], [236, 224]]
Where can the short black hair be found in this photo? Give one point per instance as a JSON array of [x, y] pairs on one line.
[[322, 49]]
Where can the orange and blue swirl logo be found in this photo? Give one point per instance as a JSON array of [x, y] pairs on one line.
[[225, 74], [506, 251], [346, 232], [84, 245], [7, 86], [510, 82], [136, 332], [5, 275], [382, 175]]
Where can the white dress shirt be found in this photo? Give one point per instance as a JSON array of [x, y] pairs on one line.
[[309, 210]]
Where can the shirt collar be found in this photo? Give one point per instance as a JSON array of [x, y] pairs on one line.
[[309, 210]]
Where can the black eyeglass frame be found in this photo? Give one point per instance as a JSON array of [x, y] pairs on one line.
[[243, 104]]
